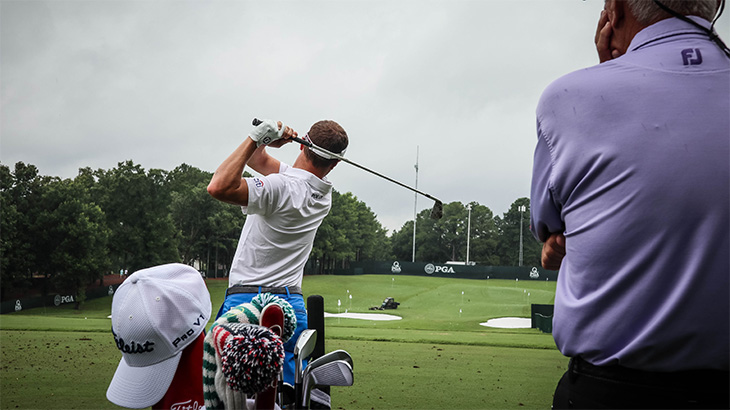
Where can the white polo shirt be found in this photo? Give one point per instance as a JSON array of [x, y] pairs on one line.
[[283, 213]]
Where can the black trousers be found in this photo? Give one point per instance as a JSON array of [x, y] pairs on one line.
[[585, 386]]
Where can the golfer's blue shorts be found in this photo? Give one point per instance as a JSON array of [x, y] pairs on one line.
[[297, 302]]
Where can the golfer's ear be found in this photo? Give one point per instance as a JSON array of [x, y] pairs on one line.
[[616, 12]]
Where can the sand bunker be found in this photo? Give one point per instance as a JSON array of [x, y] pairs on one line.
[[509, 323], [502, 322], [364, 316]]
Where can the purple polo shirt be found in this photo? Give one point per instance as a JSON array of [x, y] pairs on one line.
[[632, 164]]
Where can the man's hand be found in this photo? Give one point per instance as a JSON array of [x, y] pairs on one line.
[[269, 131], [604, 31], [286, 135], [553, 251]]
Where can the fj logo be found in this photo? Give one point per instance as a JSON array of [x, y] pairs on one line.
[[691, 56]]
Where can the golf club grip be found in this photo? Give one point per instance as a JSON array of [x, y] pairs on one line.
[[315, 320]]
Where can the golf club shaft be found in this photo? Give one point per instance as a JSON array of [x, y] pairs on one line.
[[308, 144]]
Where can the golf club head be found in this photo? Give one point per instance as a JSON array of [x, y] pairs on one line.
[[438, 210], [304, 347], [336, 373], [330, 357]]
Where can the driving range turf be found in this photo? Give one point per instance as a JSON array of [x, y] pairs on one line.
[[437, 356]]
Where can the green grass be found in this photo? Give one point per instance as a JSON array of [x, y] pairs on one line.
[[437, 356], [429, 303]]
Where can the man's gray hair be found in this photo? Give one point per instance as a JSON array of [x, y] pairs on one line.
[[647, 12]]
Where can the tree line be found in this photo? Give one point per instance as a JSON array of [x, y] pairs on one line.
[[73, 231]]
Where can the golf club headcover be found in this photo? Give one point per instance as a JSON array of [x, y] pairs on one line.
[[290, 318], [266, 132], [252, 356], [245, 313]]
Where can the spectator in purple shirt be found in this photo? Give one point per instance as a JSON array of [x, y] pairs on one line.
[[630, 195]]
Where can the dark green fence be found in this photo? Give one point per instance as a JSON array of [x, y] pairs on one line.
[[14, 305], [448, 270]]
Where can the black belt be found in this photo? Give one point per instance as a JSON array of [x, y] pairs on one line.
[[705, 378], [286, 290]]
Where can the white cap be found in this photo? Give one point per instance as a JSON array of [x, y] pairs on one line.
[[321, 152], [156, 313]]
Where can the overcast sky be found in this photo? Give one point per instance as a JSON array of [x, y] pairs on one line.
[[94, 83]]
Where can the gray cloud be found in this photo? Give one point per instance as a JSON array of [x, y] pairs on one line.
[[93, 83]]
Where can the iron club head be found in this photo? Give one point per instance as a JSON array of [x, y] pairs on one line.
[[438, 210], [336, 373], [330, 357], [304, 347]]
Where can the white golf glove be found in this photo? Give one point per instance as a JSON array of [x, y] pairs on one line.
[[266, 132]]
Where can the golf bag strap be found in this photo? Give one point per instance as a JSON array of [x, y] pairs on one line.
[[286, 290]]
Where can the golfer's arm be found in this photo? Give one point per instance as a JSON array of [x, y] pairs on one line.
[[227, 185], [263, 163]]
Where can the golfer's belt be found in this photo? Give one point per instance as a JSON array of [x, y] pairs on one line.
[[709, 379], [264, 289]]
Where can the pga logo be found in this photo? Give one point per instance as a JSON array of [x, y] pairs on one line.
[[431, 269], [58, 300]]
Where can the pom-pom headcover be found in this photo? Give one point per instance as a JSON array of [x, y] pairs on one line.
[[224, 394], [251, 356]]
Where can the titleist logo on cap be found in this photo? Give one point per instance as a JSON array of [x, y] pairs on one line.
[[133, 347]]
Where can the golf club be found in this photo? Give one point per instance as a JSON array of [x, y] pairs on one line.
[[315, 320], [336, 373], [329, 357], [304, 347], [438, 207], [322, 360]]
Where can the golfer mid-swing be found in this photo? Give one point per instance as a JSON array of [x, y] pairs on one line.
[[284, 208]]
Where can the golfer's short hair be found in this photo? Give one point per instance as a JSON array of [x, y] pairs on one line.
[[328, 135], [647, 12]]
